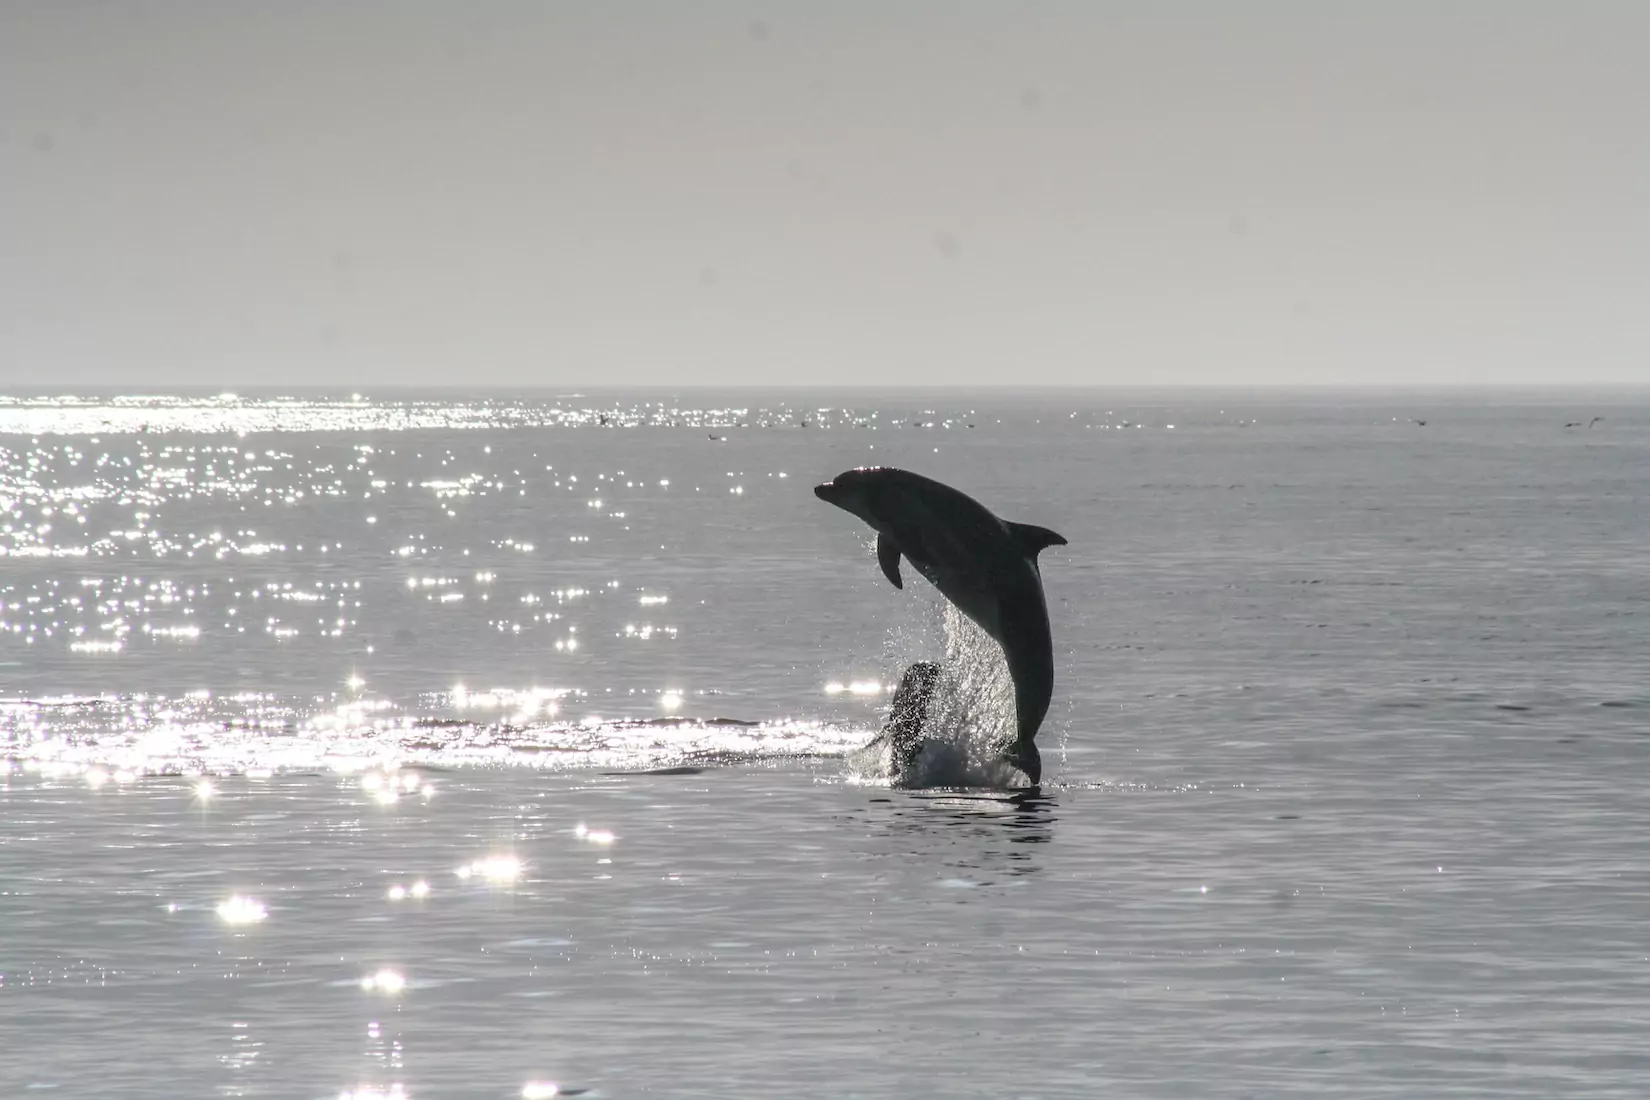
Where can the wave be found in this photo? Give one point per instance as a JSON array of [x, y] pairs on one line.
[[130, 736]]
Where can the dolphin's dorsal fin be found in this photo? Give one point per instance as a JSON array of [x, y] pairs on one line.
[[1032, 539], [888, 558]]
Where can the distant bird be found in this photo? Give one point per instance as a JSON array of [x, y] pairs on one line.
[[1419, 423], [1573, 424], [717, 439], [1594, 420]]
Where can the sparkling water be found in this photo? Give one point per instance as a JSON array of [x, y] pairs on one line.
[[507, 746]]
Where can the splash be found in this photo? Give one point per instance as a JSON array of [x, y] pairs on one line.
[[970, 714]]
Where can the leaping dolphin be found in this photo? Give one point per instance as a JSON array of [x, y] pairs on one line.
[[986, 566]]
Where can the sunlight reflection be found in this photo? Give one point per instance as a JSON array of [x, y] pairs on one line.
[[368, 1092], [385, 981], [241, 910], [419, 889], [379, 751], [539, 1090], [594, 836], [865, 687], [386, 787], [493, 869], [857, 687], [381, 787]]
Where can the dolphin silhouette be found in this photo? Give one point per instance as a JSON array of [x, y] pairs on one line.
[[907, 716], [986, 566]]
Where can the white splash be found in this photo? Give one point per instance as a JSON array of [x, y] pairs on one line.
[[970, 714]]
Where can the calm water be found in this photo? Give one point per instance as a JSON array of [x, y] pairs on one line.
[[476, 747]]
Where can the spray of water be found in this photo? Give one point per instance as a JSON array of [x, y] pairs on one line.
[[970, 714]]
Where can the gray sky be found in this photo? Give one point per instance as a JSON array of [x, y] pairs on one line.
[[552, 193]]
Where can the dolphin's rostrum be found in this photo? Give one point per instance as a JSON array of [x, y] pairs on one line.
[[984, 565]]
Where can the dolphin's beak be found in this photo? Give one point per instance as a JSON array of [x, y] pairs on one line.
[[829, 492]]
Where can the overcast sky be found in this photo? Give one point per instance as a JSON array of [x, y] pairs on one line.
[[552, 193]]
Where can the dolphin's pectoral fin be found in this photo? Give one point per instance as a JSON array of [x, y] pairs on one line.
[[1032, 539], [888, 558]]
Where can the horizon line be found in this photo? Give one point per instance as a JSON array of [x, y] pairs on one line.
[[39, 389]]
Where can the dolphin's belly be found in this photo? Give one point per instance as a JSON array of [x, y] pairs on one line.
[[971, 596]]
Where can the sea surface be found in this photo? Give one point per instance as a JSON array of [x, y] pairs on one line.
[[448, 746]]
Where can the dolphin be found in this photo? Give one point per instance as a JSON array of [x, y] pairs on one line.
[[986, 566], [907, 716]]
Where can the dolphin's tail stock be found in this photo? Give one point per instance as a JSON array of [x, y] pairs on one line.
[[1031, 667]]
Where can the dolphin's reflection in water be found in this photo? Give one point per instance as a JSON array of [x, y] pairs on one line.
[[980, 831]]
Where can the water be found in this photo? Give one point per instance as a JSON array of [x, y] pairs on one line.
[[353, 747]]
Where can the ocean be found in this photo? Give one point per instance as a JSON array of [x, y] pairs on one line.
[[509, 745]]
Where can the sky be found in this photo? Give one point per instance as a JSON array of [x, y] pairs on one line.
[[398, 192]]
